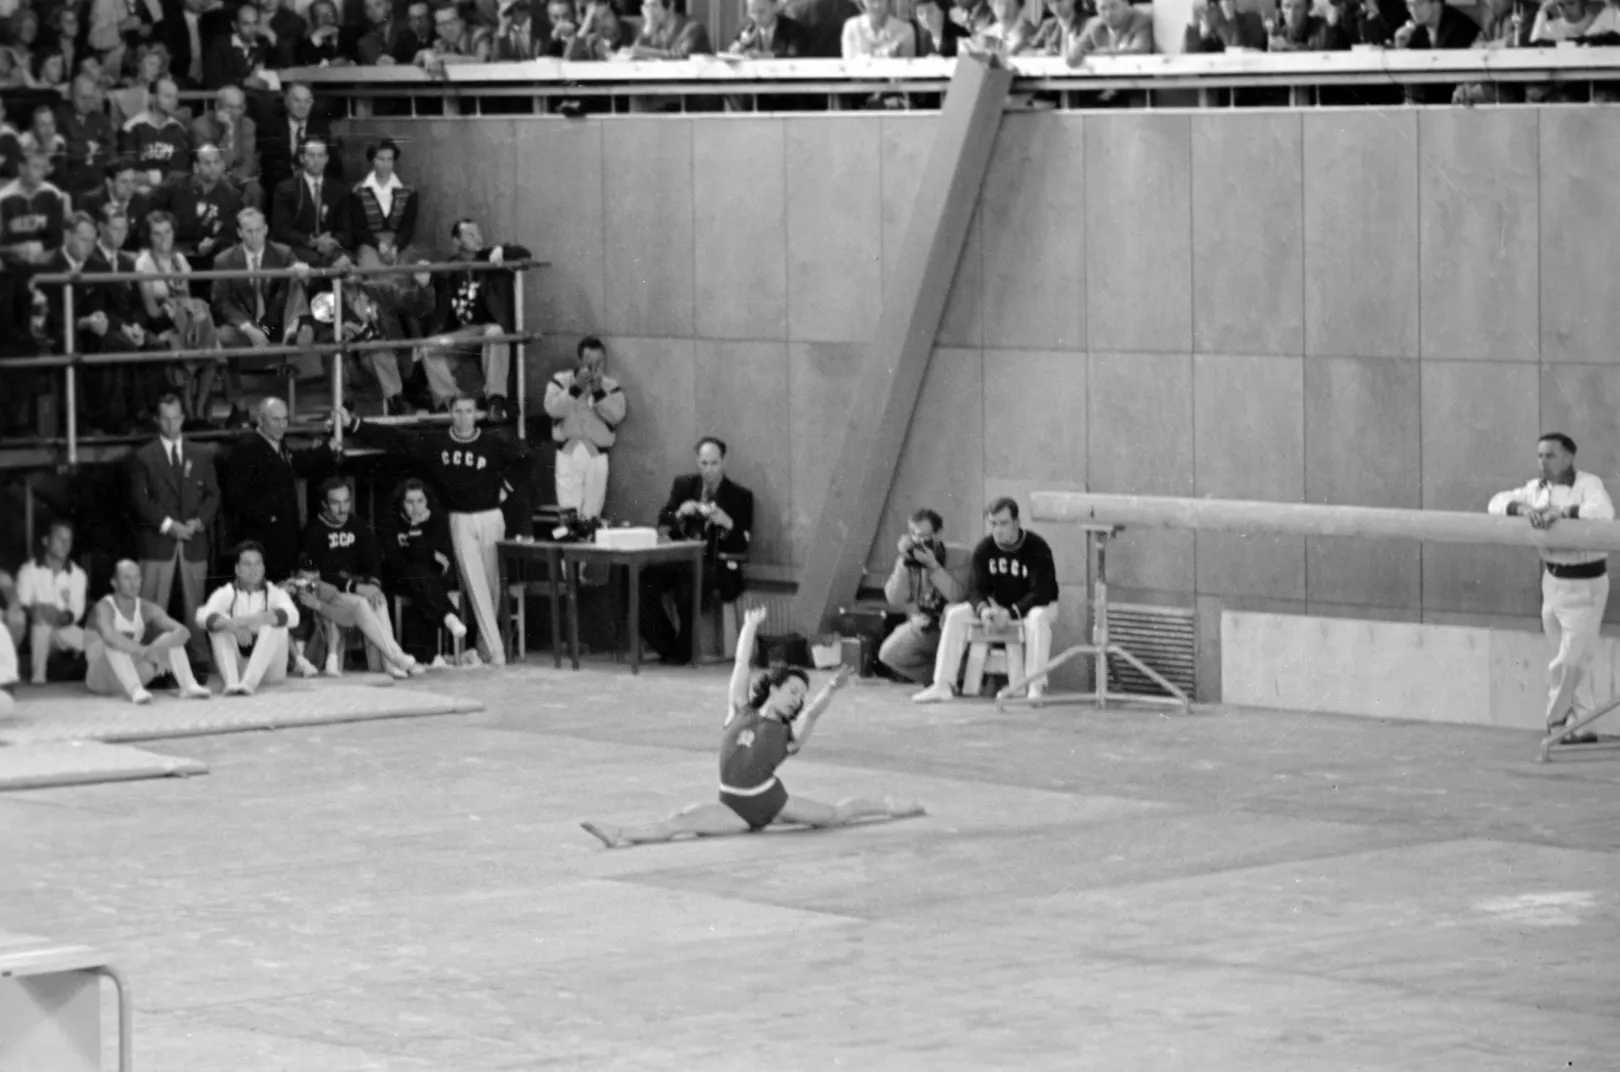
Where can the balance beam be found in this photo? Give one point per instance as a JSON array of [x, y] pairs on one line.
[[1305, 519]]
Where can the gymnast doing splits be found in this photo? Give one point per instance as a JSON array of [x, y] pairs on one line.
[[760, 733]]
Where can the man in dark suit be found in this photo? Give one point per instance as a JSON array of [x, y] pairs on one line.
[[292, 119], [823, 22], [204, 207], [707, 506], [130, 390], [384, 31], [188, 31], [261, 488], [237, 55], [309, 212], [175, 495], [97, 329], [255, 313], [118, 189]]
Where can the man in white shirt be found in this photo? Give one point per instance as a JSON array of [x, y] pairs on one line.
[[51, 589], [877, 35], [247, 623], [1574, 584]]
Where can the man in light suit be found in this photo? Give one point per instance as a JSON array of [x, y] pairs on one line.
[[175, 494], [255, 313], [309, 212]]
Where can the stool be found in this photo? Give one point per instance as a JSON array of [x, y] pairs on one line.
[[401, 602], [998, 652]]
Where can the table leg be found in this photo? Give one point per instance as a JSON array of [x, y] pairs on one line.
[[572, 569], [553, 565], [503, 613], [634, 566], [697, 607]]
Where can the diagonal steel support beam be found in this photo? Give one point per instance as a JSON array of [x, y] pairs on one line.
[[892, 374]]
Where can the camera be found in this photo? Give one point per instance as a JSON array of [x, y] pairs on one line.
[[932, 545]]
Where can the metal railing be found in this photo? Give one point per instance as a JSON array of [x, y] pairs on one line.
[[722, 76], [71, 360]]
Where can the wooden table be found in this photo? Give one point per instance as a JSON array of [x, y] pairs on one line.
[[561, 561]]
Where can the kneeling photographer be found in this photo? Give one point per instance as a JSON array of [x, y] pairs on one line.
[[920, 583]]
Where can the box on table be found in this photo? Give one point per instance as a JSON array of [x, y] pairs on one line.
[[631, 539]]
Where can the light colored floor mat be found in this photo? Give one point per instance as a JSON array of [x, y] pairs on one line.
[[69, 717], [36, 766]]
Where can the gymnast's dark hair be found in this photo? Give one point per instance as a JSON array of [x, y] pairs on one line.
[[760, 689], [1561, 439]]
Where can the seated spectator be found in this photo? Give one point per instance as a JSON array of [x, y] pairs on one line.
[[328, 614], [131, 391], [282, 28], [1605, 27], [972, 15], [310, 213], [517, 37], [91, 140], [418, 35], [250, 313], [382, 209], [229, 129], [708, 506], [204, 207], [64, 37], [51, 590], [1014, 582], [17, 58], [468, 306], [1301, 31], [117, 192], [1220, 24], [564, 28], [33, 213], [42, 137], [1504, 27], [379, 45], [602, 37], [586, 407], [239, 58], [10, 146], [1434, 24], [769, 34], [132, 641], [292, 121], [175, 318], [1009, 35], [189, 30], [1118, 29], [420, 560], [341, 553], [157, 139], [877, 35], [823, 22], [247, 623], [666, 34], [937, 33], [376, 308], [50, 70], [454, 41], [322, 46], [921, 583], [117, 26], [135, 90], [1563, 20], [1375, 22]]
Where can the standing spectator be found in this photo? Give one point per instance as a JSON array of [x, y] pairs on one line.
[[877, 35], [176, 496], [33, 213], [229, 128], [117, 193], [937, 34], [51, 589], [174, 317], [382, 210], [769, 34], [247, 623], [378, 45], [91, 140], [238, 58], [585, 406], [322, 46], [204, 207], [122, 661], [261, 488], [159, 142], [475, 471], [708, 506], [517, 38], [1574, 584], [309, 213], [419, 558], [920, 583], [666, 34], [823, 22], [469, 306], [1118, 29], [1220, 24], [1014, 581]]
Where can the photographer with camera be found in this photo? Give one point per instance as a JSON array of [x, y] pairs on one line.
[[920, 583], [585, 406], [1014, 584]]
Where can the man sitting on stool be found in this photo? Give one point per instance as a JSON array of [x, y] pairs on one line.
[[1574, 584], [707, 506], [920, 583], [1014, 580], [247, 622], [122, 661]]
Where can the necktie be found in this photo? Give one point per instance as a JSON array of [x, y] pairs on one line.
[[174, 457], [298, 136], [258, 288]]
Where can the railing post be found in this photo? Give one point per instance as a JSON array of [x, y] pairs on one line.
[[519, 349], [338, 358], [70, 344]]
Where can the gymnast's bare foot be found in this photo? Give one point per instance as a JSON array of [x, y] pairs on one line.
[[609, 835]]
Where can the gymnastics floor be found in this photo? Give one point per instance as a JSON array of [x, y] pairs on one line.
[[1126, 890]]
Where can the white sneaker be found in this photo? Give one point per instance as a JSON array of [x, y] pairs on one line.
[[334, 667], [470, 660], [198, 693], [398, 673], [458, 629], [439, 663], [141, 696], [304, 668], [935, 693]]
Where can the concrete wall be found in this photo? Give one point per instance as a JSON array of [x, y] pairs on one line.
[[1379, 308]]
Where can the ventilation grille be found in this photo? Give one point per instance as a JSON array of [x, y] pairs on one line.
[[778, 609], [1164, 638]]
